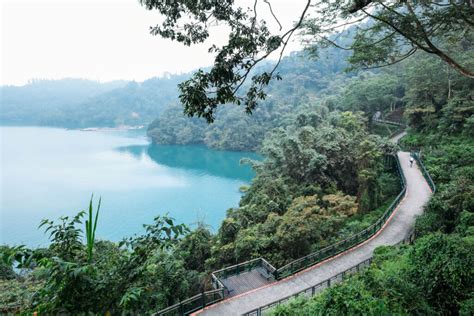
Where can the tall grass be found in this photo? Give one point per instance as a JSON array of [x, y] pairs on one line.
[[91, 227]]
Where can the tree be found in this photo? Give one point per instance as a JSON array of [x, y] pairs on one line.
[[442, 268], [370, 93], [390, 32], [394, 30]]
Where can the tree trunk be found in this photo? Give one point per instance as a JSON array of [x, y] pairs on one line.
[[449, 81]]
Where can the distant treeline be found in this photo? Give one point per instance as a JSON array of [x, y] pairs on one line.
[[74, 103]]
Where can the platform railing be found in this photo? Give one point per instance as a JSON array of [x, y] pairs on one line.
[[245, 267], [194, 303]]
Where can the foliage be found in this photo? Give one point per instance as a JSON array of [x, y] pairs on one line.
[[6, 269], [17, 295], [437, 98], [65, 236], [250, 41], [386, 33], [450, 161], [372, 93], [120, 277], [382, 34]]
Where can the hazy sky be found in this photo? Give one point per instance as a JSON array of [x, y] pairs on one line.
[[100, 40]]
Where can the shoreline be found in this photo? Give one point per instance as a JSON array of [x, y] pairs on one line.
[[111, 129]]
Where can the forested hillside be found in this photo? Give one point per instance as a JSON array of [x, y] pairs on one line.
[[305, 81], [434, 276], [75, 103], [308, 83]]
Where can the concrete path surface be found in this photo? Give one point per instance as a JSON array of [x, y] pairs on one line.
[[396, 229]]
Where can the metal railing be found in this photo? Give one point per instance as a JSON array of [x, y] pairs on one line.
[[315, 289], [245, 267], [194, 303], [424, 171], [312, 290]]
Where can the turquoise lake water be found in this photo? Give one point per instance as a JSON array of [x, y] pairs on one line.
[[48, 173]]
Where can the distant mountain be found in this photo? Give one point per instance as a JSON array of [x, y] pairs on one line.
[[74, 103], [133, 104], [39, 99]]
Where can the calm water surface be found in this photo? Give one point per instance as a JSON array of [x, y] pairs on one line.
[[47, 173]]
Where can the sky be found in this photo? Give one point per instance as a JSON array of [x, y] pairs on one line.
[[102, 40]]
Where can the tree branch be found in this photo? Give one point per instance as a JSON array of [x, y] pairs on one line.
[[288, 36], [273, 14], [398, 30], [365, 46], [400, 58]]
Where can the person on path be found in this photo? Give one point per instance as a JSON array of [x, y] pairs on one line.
[[411, 161]]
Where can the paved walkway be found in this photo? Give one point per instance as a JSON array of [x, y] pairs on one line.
[[396, 229], [245, 282]]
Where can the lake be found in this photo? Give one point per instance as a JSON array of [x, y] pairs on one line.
[[48, 173]]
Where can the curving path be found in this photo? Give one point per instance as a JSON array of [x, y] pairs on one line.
[[395, 230]]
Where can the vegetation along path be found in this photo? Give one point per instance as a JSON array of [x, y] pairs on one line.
[[395, 230]]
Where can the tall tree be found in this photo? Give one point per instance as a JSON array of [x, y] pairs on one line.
[[385, 33]]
